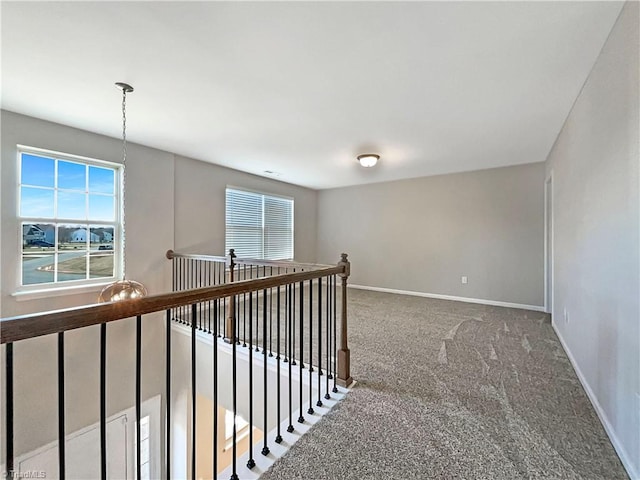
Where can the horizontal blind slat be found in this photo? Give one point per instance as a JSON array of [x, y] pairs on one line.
[[259, 226]]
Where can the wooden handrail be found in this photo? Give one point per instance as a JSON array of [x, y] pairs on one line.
[[278, 263], [194, 256], [246, 261], [34, 325]]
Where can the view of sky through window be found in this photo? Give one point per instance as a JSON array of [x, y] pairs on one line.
[[82, 192], [69, 218]]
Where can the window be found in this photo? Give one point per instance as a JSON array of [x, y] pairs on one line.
[[258, 225], [242, 429], [69, 210]]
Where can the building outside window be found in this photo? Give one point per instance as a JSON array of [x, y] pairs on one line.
[[70, 212], [259, 225]]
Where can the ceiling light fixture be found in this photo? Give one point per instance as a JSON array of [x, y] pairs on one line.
[[123, 289], [368, 160]]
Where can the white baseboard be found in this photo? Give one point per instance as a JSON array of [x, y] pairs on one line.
[[619, 448], [495, 303]]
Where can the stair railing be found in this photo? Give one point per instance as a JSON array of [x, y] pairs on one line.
[[306, 296]]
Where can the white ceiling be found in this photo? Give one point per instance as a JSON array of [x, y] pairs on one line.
[[302, 88]]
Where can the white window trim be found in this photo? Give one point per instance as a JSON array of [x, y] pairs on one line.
[[70, 287], [24, 294]]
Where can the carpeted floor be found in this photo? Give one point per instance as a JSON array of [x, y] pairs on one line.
[[453, 390]]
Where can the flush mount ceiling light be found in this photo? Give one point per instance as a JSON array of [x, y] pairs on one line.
[[123, 289], [368, 159]]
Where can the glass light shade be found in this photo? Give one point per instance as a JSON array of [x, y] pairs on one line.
[[122, 290], [368, 160]]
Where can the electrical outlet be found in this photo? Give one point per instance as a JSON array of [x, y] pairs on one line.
[[464, 279]]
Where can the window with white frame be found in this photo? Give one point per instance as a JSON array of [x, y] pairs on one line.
[[259, 225], [69, 211]]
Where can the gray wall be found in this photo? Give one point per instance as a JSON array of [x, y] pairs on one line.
[[423, 234], [594, 168], [35, 360], [200, 207], [171, 202], [146, 206]]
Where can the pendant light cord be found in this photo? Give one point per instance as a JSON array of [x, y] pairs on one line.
[[124, 176]]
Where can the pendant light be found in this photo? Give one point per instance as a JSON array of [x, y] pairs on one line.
[[123, 289]]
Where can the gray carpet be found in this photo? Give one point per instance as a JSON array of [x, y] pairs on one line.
[[453, 390]]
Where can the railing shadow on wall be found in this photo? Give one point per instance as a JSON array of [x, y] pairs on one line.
[[282, 313]]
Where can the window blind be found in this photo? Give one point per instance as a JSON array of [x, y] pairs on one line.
[[258, 225]]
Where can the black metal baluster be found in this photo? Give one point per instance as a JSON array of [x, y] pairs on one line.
[[187, 279], [244, 318], [310, 333], [202, 282], [174, 278], [192, 274], [103, 401], [224, 306], [265, 448], [61, 435], [216, 327], [196, 275], [198, 284], [335, 353], [278, 436], [287, 306], [234, 369], [292, 352], [289, 322], [193, 395], [187, 276], [310, 411], [180, 310], [328, 315], [330, 327], [257, 315], [251, 462], [221, 266], [9, 403], [319, 403], [301, 347], [215, 400], [184, 287], [209, 265], [167, 447], [138, 392], [176, 269], [301, 309], [271, 318], [236, 320]]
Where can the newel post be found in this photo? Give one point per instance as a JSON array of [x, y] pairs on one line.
[[344, 355], [230, 326]]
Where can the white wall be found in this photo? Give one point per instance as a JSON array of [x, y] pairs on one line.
[[594, 168], [424, 234], [181, 391]]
